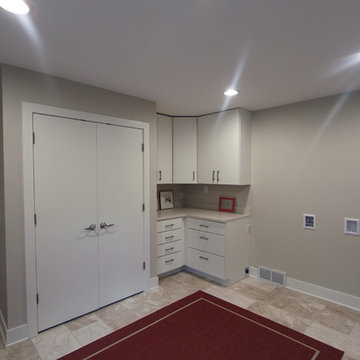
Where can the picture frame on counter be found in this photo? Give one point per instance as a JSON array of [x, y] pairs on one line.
[[227, 204], [166, 200]]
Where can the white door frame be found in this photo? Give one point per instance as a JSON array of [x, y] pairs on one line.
[[28, 109]]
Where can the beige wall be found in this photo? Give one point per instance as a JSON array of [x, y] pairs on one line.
[[305, 159], [23, 85]]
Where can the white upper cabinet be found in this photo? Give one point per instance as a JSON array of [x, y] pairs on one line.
[[224, 142], [164, 149], [185, 150]]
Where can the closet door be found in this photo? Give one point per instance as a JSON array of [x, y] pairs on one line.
[[120, 197], [65, 204]]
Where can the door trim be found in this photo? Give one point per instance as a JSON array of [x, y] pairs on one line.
[[28, 109]]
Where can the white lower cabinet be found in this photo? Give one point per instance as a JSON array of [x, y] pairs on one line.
[[170, 245], [218, 249]]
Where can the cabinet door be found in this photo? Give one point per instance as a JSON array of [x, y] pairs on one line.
[[228, 142], [207, 148], [120, 199], [164, 149], [185, 150]]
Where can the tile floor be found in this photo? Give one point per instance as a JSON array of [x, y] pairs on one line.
[[325, 321]]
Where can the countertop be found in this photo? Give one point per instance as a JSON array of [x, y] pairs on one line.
[[199, 214]]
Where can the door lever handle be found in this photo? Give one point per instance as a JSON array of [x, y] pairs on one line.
[[104, 225], [91, 227]]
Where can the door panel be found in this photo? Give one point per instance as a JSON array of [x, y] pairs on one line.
[[65, 203], [120, 196], [228, 148], [207, 148]]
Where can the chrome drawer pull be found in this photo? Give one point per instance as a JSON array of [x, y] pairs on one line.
[[204, 258], [169, 249], [204, 238], [169, 237], [205, 226], [169, 261], [169, 225]]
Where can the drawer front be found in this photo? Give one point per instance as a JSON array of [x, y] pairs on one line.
[[170, 224], [170, 248], [170, 262], [207, 263], [205, 225], [167, 236], [208, 242]]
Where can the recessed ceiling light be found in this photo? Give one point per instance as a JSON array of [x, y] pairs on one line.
[[230, 92], [15, 6]]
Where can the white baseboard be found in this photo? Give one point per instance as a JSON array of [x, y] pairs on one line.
[[154, 283], [14, 335], [321, 292]]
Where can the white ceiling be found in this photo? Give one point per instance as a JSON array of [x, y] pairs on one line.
[[183, 54]]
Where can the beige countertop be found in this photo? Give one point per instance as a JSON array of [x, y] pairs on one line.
[[199, 214]]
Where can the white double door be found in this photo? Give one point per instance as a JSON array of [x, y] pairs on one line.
[[86, 174]]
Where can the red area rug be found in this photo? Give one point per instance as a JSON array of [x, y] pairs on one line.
[[201, 326]]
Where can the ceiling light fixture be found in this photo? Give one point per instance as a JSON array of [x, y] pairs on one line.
[[18, 7], [230, 92]]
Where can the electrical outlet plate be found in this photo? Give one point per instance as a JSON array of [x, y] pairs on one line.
[[309, 221], [351, 226]]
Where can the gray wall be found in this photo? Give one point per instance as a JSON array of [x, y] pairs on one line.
[[3, 282], [305, 159], [22, 85]]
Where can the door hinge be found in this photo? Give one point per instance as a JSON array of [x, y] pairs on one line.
[[35, 219], [144, 266], [143, 207], [34, 137], [142, 147], [37, 299]]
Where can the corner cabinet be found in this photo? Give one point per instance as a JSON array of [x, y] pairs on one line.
[[224, 144], [185, 150], [164, 149]]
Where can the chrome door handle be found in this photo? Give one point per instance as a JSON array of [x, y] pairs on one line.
[[91, 227], [213, 175], [160, 175], [104, 225], [218, 176]]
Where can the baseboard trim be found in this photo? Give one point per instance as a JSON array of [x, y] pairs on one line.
[[14, 335], [154, 283], [337, 297]]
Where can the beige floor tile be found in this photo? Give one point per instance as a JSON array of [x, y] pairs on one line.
[[259, 283], [24, 350], [92, 332], [55, 343], [344, 342], [281, 316]]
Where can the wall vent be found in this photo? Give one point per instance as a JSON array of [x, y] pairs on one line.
[[275, 276]]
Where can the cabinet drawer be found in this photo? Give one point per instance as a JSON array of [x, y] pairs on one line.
[[170, 262], [167, 236], [172, 247], [205, 241], [207, 263], [205, 225], [170, 224]]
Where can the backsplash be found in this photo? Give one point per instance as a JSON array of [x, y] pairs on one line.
[[202, 196]]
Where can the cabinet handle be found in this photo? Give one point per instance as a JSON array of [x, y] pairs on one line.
[[193, 175], [204, 238], [169, 249], [205, 226], [159, 175], [204, 258], [169, 225], [218, 176], [169, 237], [169, 261], [213, 175]]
